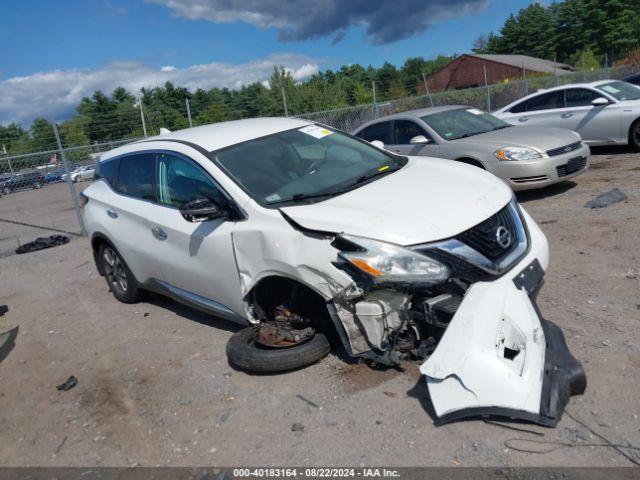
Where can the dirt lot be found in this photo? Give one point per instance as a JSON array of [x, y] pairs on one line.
[[154, 386]]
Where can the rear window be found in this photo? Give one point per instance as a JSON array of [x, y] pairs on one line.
[[378, 131], [546, 101], [108, 170], [136, 176]]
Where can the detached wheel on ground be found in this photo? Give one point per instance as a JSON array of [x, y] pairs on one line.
[[245, 353], [121, 281]]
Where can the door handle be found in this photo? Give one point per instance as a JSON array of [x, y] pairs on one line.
[[567, 115], [523, 119], [112, 213], [159, 233]]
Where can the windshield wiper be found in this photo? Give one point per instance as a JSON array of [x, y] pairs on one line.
[[369, 176], [299, 197]]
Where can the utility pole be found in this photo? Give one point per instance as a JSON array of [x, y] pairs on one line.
[[186, 100], [426, 88], [144, 125], [72, 188]]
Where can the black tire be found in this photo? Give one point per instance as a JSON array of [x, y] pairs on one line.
[[634, 136], [121, 281], [244, 354]]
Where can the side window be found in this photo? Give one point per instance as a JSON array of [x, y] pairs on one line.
[[108, 170], [546, 101], [180, 181], [379, 131], [580, 97], [519, 108], [405, 130], [136, 176]]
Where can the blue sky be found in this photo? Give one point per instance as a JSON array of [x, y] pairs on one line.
[[62, 50]]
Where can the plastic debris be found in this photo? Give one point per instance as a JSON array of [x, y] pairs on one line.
[[607, 198], [68, 384], [41, 243]]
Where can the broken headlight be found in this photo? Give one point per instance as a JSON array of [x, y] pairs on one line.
[[386, 262]]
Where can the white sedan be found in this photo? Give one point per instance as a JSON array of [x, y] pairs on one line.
[[81, 174], [606, 112]]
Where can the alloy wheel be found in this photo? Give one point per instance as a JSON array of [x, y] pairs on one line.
[[114, 270]]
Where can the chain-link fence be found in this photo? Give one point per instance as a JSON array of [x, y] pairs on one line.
[[39, 189]]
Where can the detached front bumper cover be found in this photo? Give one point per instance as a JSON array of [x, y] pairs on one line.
[[499, 357]]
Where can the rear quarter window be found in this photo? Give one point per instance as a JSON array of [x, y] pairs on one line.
[[108, 170]]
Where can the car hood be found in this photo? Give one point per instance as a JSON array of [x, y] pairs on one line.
[[540, 138], [428, 199]]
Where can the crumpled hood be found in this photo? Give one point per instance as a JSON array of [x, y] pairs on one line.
[[428, 199], [540, 138]]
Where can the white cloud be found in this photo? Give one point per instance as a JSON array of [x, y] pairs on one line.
[[56, 94]]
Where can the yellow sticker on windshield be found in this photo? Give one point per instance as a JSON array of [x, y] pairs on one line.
[[315, 131], [382, 169]]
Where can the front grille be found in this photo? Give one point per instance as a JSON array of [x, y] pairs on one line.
[[536, 178], [562, 169], [482, 237], [565, 149]]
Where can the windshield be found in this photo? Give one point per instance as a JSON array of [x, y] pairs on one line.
[[304, 163], [621, 90], [463, 122]]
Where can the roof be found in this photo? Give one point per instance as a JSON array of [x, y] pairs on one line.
[[224, 134], [420, 112], [527, 62]]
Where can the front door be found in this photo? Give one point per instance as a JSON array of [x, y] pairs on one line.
[[196, 258], [403, 132]]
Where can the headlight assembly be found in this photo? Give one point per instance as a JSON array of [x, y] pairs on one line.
[[386, 262], [517, 153]]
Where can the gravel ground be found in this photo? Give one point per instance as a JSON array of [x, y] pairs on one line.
[[154, 386]]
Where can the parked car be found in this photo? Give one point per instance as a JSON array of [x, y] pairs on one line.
[[525, 158], [606, 112], [635, 79], [299, 231], [54, 176], [80, 174], [21, 181]]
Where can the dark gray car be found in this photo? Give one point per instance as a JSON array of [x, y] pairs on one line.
[[525, 157]]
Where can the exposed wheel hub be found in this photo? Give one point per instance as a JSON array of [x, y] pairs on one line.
[[287, 330]]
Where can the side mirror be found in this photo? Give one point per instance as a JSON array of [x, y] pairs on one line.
[[599, 102], [418, 139], [377, 143], [201, 210]]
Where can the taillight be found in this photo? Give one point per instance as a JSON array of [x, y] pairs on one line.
[[82, 199]]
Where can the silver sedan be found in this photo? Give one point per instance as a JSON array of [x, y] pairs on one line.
[[606, 112], [525, 157]]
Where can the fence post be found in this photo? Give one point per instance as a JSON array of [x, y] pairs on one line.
[[144, 125], [67, 177], [555, 71], [186, 100], [526, 82], [284, 101], [375, 103], [426, 88], [488, 90]]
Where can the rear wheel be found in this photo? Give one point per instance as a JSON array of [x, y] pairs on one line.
[[121, 281], [634, 135]]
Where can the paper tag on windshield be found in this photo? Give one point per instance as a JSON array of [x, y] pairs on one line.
[[315, 131], [610, 89], [475, 111]]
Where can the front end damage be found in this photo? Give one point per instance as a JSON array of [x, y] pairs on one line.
[[484, 346]]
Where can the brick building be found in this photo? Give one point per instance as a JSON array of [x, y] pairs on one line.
[[467, 70]]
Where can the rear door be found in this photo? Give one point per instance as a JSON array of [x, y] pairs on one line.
[[381, 131], [541, 111]]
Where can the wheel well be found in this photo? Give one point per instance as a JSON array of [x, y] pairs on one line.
[[274, 291], [96, 242], [470, 161], [632, 128]]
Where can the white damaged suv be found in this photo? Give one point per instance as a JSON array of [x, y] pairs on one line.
[[304, 233]]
